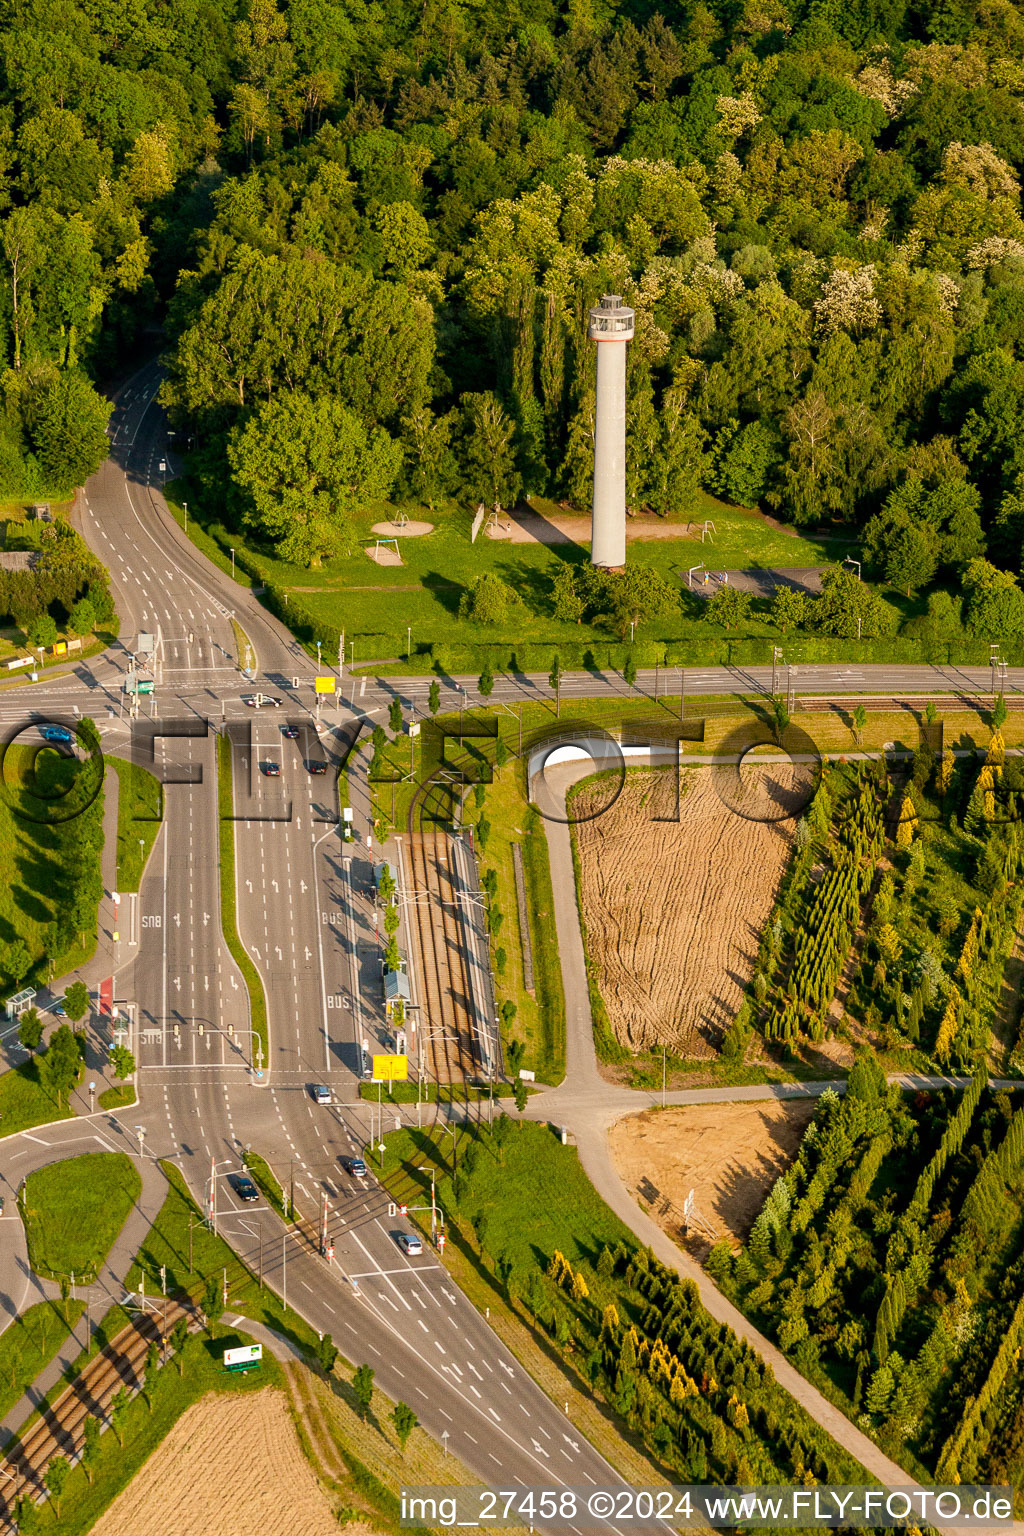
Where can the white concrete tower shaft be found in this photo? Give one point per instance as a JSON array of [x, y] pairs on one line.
[[611, 326]]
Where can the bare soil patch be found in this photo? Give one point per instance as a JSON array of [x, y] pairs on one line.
[[728, 1154], [231, 1465], [674, 909]]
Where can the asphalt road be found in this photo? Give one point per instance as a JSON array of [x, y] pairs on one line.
[[306, 917]]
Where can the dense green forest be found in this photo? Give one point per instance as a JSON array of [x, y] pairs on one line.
[[887, 1262], [372, 233], [814, 208]]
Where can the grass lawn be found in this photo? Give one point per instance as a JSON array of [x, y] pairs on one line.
[[424, 592], [73, 1211], [118, 1097], [535, 1200], [245, 651], [520, 1196], [228, 915], [167, 1243], [25, 1100], [264, 1178], [37, 857], [140, 809], [475, 1276], [30, 1343]]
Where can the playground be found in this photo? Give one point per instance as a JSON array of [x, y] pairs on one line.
[[536, 527], [400, 577]]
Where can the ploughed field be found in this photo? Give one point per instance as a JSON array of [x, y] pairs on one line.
[[231, 1465], [674, 908]]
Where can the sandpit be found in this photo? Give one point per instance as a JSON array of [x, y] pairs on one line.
[[674, 909], [383, 556], [232, 1465], [728, 1154]]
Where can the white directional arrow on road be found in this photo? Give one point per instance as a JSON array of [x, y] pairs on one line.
[[279, 954], [507, 1368], [249, 884], [176, 980], [256, 952], [206, 918], [309, 952], [303, 886], [177, 919], [574, 1443], [275, 885], [538, 1447]]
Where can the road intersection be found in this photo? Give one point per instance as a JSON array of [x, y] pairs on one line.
[[305, 906]]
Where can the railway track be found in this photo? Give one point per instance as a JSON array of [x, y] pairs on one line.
[[446, 1017], [59, 1429]]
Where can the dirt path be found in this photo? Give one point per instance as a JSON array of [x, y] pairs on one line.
[[729, 1155], [232, 1465]]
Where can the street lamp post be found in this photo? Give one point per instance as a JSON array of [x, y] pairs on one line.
[[776, 658], [232, 565], [184, 506], [140, 1131]]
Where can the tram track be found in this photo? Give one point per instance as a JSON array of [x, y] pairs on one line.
[[446, 1012]]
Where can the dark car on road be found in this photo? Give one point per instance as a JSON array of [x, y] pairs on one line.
[[355, 1166], [244, 1187], [272, 770], [317, 765], [291, 731], [57, 735]]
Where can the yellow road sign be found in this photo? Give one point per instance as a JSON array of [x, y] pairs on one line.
[[390, 1069], [324, 685]]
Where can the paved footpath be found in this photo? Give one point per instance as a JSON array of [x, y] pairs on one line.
[[587, 1106], [19, 1288]]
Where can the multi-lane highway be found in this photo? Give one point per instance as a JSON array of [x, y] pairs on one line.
[[305, 915]]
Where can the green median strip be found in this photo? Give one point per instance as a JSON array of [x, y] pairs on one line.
[[73, 1211], [228, 917], [264, 1179], [140, 810]]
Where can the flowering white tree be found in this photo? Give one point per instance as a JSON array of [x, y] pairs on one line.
[[848, 302]]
